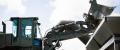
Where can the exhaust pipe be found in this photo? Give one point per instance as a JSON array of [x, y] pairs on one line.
[[4, 27]]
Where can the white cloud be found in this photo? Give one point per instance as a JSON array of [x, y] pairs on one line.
[[14, 6], [109, 2], [68, 10], [2, 2]]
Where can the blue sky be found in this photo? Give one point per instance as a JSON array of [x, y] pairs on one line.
[[51, 12]]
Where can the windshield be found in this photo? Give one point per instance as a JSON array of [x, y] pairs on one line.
[[26, 27]]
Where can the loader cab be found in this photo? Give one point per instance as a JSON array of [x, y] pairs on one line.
[[24, 27], [25, 31]]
